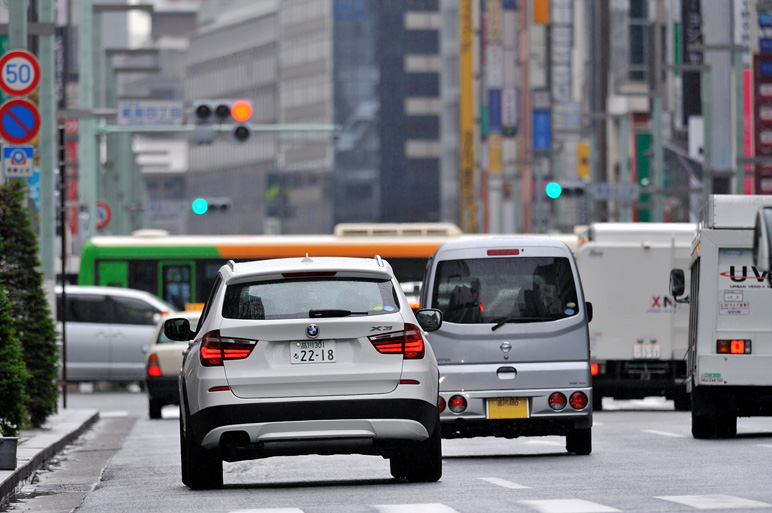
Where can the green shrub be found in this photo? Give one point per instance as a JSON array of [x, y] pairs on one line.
[[30, 311], [13, 375]]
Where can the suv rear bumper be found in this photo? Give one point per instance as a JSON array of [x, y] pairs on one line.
[[396, 419]]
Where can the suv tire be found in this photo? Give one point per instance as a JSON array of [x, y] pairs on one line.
[[201, 468], [420, 462]]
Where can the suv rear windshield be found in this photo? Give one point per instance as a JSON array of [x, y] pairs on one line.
[[491, 290], [297, 298]]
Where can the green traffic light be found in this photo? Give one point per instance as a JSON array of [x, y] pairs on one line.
[[553, 190], [200, 206]]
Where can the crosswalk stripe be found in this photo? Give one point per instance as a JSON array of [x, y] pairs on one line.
[[569, 506], [504, 483], [663, 433], [415, 508], [715, 501]]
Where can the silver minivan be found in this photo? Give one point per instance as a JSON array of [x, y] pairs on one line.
[[106, 331], [513, 349]]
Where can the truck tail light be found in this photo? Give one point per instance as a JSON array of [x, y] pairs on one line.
[[216, 349], [733, 346]]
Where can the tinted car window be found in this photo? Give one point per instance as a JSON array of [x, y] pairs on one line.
[[87, 309], [294, 298], [133, 311], [485, 290]]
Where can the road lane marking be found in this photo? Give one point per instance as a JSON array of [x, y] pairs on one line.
[[715, 501], [414, 508], [768, 446], [663, 433], [569, 506], [269, 510], [113, 414], [504, 483], [545, 442]]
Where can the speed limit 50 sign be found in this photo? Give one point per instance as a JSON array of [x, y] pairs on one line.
[[19, 73]]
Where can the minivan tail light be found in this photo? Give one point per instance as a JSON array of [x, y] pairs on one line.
[[216, 349], [409, 343], [578, 400]]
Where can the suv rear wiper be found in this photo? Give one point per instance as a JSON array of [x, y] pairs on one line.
[[332, 312], [516, 318]]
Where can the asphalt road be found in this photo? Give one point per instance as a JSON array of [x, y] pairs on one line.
[[644, 460]]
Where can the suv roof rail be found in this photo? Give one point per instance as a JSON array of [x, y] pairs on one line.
[[378, 260], [232, 265]]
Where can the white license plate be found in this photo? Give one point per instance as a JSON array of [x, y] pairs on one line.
[[646, 351], [313, 351]]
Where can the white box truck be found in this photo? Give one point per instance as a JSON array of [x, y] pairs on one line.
[[729, 355], [638, 336]]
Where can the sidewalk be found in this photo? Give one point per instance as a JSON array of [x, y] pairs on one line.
[[37, 446]]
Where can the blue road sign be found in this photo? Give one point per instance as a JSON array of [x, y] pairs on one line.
[[19, 121], [18, 161]]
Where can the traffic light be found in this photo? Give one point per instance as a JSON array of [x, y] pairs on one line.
[[241, 112], [553, 190], [206, 113], [201, 206]]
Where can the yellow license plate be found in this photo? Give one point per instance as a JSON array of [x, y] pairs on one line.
[[508, 408]]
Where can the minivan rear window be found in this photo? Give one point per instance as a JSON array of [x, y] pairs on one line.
[[517, 289], [295, 298]]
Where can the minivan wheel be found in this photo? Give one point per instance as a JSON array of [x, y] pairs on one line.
[[579, 441], [423, 460], [201, 468]]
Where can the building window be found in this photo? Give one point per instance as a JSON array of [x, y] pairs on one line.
[[639, 41]]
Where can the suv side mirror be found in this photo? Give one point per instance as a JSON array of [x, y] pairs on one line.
[[430, 319], [178, 330], [762, 239]]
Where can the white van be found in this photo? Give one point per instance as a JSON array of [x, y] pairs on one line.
[[513, 349], [106, 331]]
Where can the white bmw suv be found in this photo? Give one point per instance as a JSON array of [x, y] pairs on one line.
[[308, 356]]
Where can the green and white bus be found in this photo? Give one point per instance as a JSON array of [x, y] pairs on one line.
[[182, 268]]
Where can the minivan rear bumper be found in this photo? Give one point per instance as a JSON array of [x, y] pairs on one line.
[[513, 428]]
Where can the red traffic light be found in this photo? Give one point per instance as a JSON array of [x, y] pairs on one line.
[[241, 111]]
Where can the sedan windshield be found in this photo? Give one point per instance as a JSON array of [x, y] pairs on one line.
[[309, 298]]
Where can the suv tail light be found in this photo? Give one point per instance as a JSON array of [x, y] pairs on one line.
[[408, 343], [153, 367], [216, 349]]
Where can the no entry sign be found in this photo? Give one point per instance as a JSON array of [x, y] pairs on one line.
[[19, 73], [19, 121]]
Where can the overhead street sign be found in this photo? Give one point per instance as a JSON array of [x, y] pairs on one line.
[[19, 121], [614, 191], [18, 161], [19, 73]]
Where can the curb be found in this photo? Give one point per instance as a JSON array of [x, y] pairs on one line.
[[37, 446]]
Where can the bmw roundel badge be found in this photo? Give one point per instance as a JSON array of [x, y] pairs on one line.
[[312, 330]]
